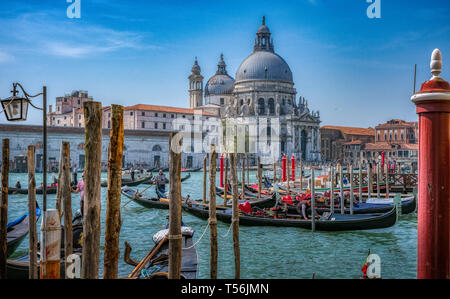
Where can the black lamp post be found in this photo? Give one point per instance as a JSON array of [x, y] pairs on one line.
[[16, 109]]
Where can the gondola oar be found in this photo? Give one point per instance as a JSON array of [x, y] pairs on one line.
[[145, 260], [138, 194]]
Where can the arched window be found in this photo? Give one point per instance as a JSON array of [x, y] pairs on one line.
[[271, 106], [156, 148], [261, 106], [242, 102]]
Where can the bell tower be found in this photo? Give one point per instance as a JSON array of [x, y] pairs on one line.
[[195, 86]]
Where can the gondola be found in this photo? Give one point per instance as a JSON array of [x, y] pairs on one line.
[[17, 230], [327, 222], [264, 202], [191, 169], [14, 190], [186, 177], [155, 265], [130, 183], [18, 268], [148, 202]]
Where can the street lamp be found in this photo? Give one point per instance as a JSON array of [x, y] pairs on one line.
[[16, 109]]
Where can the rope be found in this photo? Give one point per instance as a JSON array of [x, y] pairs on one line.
[[229, 229], [198, 241]]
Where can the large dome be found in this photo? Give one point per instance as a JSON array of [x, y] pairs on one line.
[[264, 65], [219, 84]]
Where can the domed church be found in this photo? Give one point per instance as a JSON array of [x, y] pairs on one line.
[[262, 93]]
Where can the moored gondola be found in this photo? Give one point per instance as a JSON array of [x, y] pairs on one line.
[[17, 230], [130, 183], [326, 222], [14, 190], [155, 264]]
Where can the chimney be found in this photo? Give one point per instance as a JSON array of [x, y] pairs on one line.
[[49, 108]]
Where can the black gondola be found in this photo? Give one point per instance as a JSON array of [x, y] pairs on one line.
[[17, 230], [148, 202], [264, 202], [191, 169], [157, 262], [329, 222], [14, 190], [130, 183], [18, 268]]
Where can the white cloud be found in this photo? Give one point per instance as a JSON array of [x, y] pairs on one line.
[[5, 57]]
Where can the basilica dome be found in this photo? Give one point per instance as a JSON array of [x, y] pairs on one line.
[[264, 65], [221, 83]]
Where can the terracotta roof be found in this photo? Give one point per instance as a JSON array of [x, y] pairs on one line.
[[351, 130], [388, 146], [400, 123], [166, 109], [354, 142]]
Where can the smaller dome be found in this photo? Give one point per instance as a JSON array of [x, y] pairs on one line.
[[219, 84], [196, 68], [263, 29]]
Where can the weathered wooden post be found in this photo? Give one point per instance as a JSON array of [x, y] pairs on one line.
[[377, 166], [360, 172], [313, 202], [235, 217], [92, 203], [259, 178], [433, 229], [243, 176], [205, 165], [51, 234], [248, 168], [66, 196], [331, 188], [113, 220], [387, 179], [59, 190], [32, 235], [351, 189], [341, 184], [175, 237], [4, 209], [212, 213], [301, 173], [370, 180], [225, 189]]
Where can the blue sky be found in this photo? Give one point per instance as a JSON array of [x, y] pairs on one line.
[[356, 71]]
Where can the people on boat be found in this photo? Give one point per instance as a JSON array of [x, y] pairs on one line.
[[160, 181], [80, 189], [74, 175], [54, 180], [132, 174], [18, 186]]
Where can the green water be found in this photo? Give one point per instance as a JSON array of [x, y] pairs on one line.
[[266, 252]]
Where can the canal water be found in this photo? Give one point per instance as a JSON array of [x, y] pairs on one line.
[[266, 252]]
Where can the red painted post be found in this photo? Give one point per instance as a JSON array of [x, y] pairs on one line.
[[293, 168], [433, 222], [284, 168], [382, 160], [221, 171]]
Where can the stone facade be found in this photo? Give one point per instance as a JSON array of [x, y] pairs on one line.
[[262, 99], [146, 148]]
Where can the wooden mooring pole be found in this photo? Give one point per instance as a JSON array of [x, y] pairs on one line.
[[113, 220], [212, 213], [205, 165], [259, 177], [360, 176], [225, 189], [313, 202], [351, 189], [243, 175], [331, 188], [341, 184], [369, 180], [4, 208], [32, 234], [175, 237], [235, 217], [66, 195], [92, 203], [377, 166]]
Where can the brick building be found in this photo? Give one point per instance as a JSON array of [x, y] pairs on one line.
[[343, 144]]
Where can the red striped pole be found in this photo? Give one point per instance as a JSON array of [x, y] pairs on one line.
[[221, 171], [293, 168], [284, 168], [433, 220]]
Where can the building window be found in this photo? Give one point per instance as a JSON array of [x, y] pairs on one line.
[[172, 116], [156, 125], [156, 114], [164, 115], [79, 102], [143, 125], [222, 101], [164, 126], [143, 113], [131, 113], [184, 116]]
